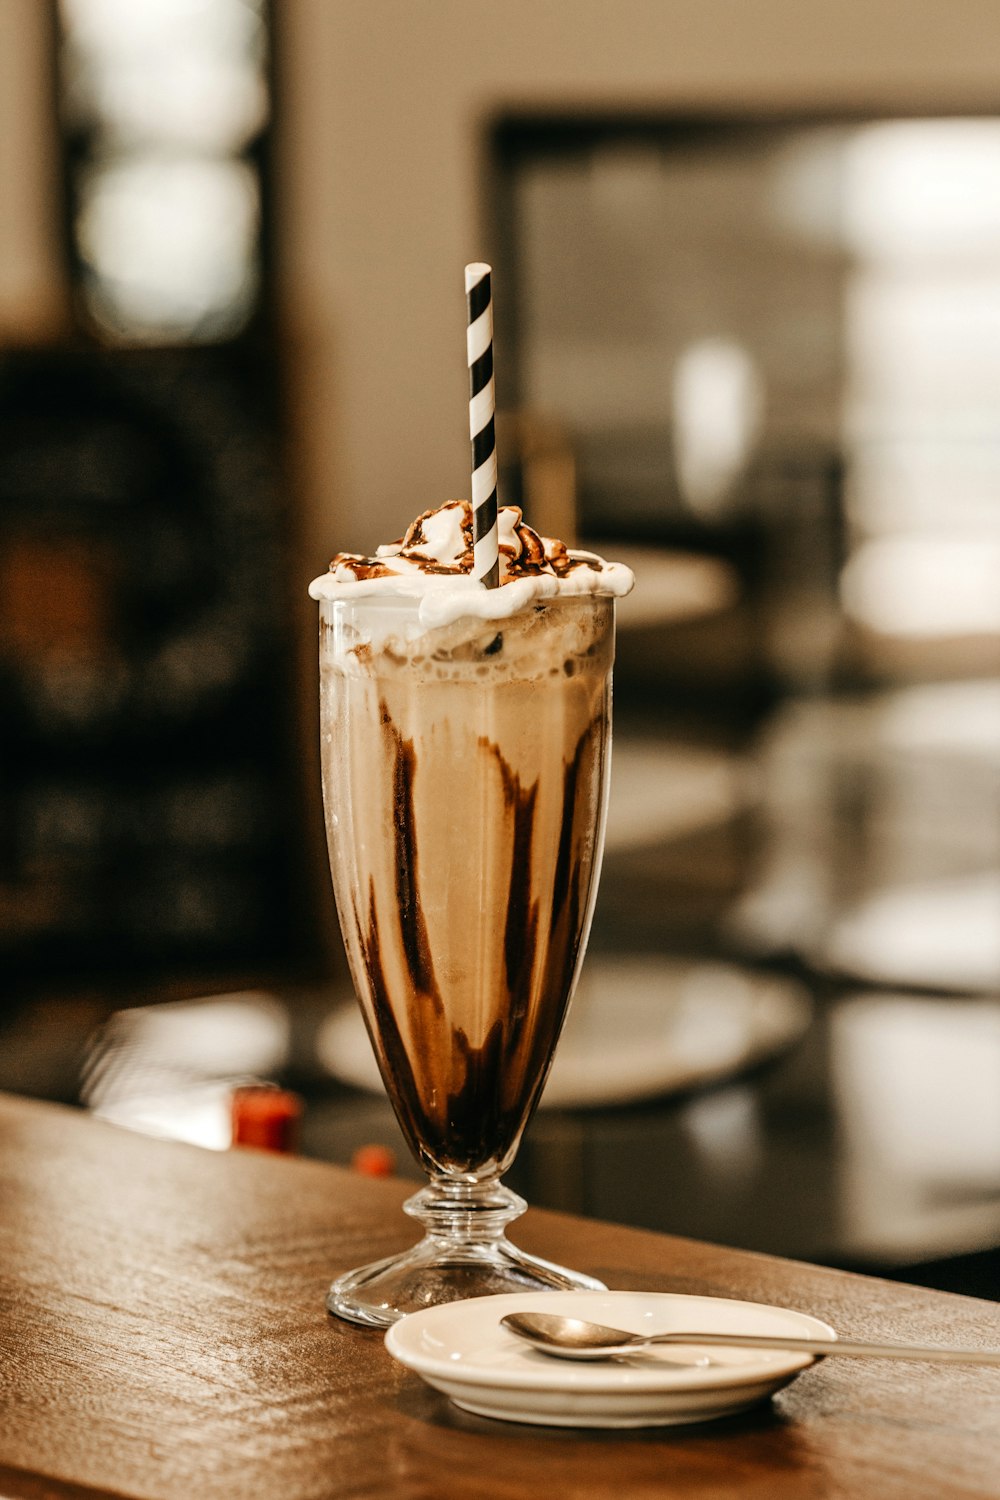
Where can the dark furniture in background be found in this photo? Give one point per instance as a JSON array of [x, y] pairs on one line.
[[151, 815]]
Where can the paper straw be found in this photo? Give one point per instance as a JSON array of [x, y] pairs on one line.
[[482, 407]]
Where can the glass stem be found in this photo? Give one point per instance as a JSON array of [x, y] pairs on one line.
[[465, 1212]]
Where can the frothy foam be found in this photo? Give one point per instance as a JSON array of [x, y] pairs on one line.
[[531, 647]]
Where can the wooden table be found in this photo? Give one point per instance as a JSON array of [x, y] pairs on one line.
[[162, 1334]]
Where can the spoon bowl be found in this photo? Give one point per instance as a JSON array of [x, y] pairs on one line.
[[578, 1338], [572, 1338]]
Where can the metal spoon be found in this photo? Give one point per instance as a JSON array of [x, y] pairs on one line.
[[575, 1338]]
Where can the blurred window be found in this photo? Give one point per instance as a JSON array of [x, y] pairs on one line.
[[165, 101]]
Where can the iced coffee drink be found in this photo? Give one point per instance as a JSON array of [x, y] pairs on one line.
[[465, 761]]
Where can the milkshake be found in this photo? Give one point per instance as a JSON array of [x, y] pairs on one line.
[[465, 762]]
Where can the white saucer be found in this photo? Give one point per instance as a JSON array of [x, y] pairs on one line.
[[640, 1026], [461, 1349]]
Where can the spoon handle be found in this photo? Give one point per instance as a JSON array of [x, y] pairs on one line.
[[851, 1347]]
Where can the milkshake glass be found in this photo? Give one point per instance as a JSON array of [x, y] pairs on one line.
[[465, 770]]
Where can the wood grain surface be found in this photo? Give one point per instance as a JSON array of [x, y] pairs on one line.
[[162, 1335]]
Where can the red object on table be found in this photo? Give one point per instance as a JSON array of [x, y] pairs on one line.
[[266, 1117], [374, 1161]]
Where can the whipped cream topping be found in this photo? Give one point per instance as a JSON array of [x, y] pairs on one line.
[[434, 560]]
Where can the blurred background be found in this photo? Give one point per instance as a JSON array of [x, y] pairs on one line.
[[747, 282]]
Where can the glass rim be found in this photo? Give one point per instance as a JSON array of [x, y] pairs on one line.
[[412, 601]]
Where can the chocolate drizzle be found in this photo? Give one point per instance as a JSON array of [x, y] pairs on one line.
[[521, 927], [412, 924], [362, 567], [527, 556]]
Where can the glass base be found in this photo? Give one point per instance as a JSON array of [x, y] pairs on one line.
[[464, 1253]]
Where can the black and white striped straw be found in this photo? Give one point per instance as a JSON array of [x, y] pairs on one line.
[[482, 407]]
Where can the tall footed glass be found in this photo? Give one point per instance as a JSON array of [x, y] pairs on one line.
[[465, 774]]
